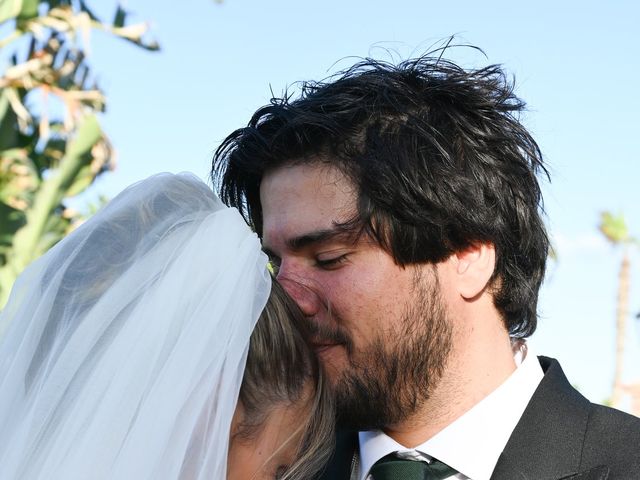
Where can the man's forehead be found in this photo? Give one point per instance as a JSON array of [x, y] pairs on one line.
[[318, 175], [304, 198]]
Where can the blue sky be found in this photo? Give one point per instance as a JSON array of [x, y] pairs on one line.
[[576, 65]]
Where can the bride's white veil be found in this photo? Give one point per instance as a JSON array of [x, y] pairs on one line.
[[126, 343]]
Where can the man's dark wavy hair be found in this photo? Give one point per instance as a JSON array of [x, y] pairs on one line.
[[438, 155]]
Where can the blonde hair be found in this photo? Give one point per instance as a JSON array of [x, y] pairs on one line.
[[280, 367]]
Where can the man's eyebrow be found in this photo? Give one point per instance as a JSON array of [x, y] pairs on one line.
[[316, 237]]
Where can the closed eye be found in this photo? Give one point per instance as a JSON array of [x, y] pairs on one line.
[[331, 263]]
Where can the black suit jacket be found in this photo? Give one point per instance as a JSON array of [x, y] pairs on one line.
[[561, 436]]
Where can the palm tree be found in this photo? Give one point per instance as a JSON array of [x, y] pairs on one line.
[[615, 229]]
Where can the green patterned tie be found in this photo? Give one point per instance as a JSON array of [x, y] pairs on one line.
[[393, 468]]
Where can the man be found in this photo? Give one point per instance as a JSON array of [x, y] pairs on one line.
[[401, 209]]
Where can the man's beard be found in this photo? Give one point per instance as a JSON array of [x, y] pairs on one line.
[[395, 375]]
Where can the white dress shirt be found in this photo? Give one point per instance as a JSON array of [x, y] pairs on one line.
[[473, 443]]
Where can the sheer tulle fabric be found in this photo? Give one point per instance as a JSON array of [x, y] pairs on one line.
[[126, 343]]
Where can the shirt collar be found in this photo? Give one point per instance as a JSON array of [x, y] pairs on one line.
[[473, 443]]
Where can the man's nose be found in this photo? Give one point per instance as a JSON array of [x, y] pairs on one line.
[[298, 289]]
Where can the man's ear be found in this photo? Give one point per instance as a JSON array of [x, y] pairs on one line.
[[474, 267]]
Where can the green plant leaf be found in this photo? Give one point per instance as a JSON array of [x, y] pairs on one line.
[[120, 17], [18, 178], [614, 228], [11, 220], [9, 9], [44, 160], [28, 10], [55, 230], [48, 198], [83, 180], [87, 136], [85, 8], [149, 45], [8, 122]]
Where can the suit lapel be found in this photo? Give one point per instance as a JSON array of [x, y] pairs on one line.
[[545, 445], [547, 442], [597, 473], [340, 465]]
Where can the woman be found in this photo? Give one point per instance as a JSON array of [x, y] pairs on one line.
[[283, 406], [126, 347]]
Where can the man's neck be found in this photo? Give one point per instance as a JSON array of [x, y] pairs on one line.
[[482, 361]]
